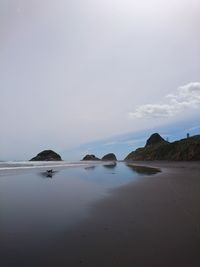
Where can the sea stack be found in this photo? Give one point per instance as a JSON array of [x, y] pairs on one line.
[[90, 157], [47, 155], [109, 157]]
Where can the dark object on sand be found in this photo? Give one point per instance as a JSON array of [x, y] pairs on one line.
[[49, 173], [90, 157], [47, 155], [109, 156], [187, 149]]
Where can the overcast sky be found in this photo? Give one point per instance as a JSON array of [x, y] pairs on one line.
[[74, 71]]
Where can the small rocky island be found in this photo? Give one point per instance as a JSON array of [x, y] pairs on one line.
[[109, 157], [90, 157], [156, 148], [47, 155]]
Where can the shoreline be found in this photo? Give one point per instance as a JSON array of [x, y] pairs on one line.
[[154, 221]]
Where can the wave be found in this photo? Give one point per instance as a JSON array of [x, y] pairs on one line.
[[13, 165]]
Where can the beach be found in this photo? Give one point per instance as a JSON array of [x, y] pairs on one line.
[[152, 222], [100, 133]]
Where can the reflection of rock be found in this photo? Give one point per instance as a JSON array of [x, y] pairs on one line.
[[90, 157], [143, 169], [48, 174], [110, 166], [109, 156], [47, 155], [90, 167]]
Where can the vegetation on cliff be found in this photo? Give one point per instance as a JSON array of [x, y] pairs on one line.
[[187, 149]]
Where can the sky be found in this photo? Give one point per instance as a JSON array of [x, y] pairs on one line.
[[76, 75], [123, 144]]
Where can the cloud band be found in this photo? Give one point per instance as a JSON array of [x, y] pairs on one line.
[[186, 97]]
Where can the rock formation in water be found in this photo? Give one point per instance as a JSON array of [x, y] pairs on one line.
[[47, 155], [90, 157], [187, 149], [109, 156]]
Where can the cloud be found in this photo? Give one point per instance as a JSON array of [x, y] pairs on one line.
[[186, 97]]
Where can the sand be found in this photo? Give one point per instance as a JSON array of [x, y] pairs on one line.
[[152, 222]]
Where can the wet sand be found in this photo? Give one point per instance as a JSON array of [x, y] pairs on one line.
[[152, 222]]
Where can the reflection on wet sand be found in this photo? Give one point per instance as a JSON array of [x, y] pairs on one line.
[[48, 174], [90, 167], [36, 213], [143, 169], [111, 165]]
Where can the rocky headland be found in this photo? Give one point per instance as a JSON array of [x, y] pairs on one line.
[[157, 148]]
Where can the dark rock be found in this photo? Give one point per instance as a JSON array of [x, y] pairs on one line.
[[155, 139], [109, 156], [183, 150], [90, 157], [47, 155]]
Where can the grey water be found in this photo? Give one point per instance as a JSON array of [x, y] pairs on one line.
[[36, 207]]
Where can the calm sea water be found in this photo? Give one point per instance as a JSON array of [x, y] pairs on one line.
[[35, 208]]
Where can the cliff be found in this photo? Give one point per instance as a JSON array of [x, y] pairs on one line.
[[183, 150]]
